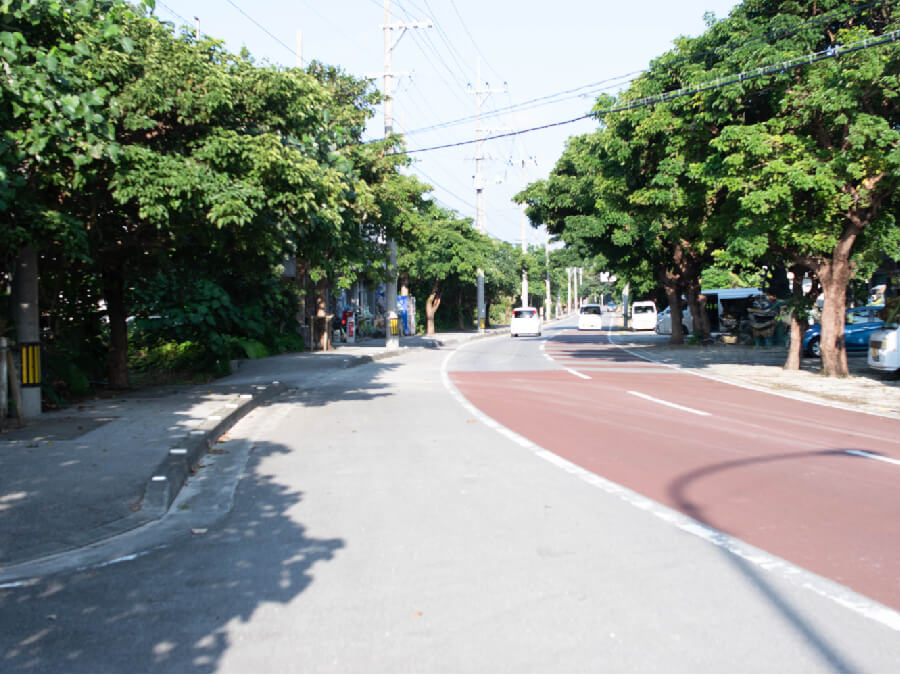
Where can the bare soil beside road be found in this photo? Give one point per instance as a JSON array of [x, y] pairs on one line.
[[864, 390]]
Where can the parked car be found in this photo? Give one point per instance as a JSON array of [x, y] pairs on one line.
[[590, 317], [859, 324], [664, 321], [643, 315], [884, 343], [525, 321]]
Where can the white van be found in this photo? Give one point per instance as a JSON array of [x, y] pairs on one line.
[[643, 315], [884, 344], [525, 321]]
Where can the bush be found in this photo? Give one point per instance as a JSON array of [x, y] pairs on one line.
[[170, 357]]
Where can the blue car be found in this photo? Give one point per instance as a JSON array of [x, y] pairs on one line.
[[859, 324]]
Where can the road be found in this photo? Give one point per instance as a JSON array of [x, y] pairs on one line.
[[486, 510]]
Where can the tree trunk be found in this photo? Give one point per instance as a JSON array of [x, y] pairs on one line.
[[431, 306], [798, 325], [834, 277], [322, 336], [114, 294], [669, 283], [676, 316], [697, 303]]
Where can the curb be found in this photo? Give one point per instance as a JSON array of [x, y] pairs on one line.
[[171, 474]]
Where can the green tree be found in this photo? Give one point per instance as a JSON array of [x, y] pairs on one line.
[[443, 248]]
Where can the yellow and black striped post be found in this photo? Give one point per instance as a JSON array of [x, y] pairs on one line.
[[31, 364]]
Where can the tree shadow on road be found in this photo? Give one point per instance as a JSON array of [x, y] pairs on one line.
[[680, 494], [181, 607]]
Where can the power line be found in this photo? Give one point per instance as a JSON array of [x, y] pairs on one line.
[[173, 12], [592, 88], [263, 28], [466, 28], [830, 53]]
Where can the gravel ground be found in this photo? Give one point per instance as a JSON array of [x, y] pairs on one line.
[[865, 390]]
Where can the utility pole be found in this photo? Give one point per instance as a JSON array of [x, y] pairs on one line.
[[391, 324], [577, 304], [524, 240], [26, 315], [569, 289], [547, 300], [481, 91]]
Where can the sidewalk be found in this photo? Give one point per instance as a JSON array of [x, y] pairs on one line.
[[83, 474]]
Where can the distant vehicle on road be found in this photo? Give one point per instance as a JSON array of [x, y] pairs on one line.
[[664, 321], [611, 306], [643, 315], [525, 321], [860, 323], [884, 344], [590, 317]]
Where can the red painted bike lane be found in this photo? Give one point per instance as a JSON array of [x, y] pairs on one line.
[[780, 474]]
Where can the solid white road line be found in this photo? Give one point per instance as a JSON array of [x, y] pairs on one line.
[[823, 587]]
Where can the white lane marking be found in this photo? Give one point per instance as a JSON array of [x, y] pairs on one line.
[[870, 455], [552, 360], [668, 403], [798, 576]]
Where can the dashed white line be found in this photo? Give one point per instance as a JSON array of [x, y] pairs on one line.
[[821, 586], [872, 455], [668, 403], [552, 360]]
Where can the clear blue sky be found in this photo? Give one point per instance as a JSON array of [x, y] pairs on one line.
[[538, 49]]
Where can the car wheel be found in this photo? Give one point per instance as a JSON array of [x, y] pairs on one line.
[[814, 348]]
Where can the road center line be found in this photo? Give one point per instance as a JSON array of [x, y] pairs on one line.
[[668, 403], [800, 577], [871, 455]]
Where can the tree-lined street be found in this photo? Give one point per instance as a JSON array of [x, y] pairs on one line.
[[382, 523]]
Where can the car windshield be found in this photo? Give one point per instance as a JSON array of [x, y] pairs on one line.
[[590, 309], [524, 313], [642, 309]]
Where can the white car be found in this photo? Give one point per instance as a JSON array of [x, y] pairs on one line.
[[590, 317], [884, 344], [664, 321], [643, 315], [525, 321]]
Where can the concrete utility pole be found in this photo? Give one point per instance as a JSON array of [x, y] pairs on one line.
[[569, 289], [575, 273], [524, 239], [480, 91], [392, 328], [547, 299], [28, 335]]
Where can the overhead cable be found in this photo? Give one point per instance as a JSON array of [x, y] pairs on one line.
[[784, 66]]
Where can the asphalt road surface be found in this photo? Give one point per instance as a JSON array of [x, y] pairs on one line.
[[493, 510]]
